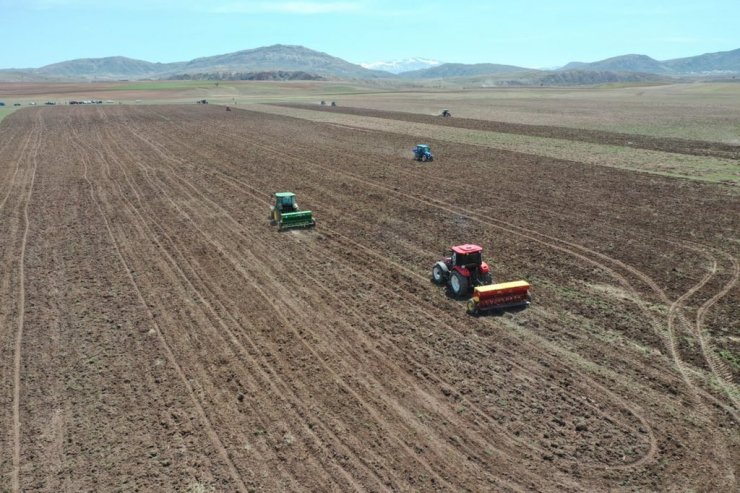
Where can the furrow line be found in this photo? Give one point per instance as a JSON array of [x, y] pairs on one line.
[[209, 428], [234, 340]]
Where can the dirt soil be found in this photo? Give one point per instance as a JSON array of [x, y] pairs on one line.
[[681, 146], [158, 334]]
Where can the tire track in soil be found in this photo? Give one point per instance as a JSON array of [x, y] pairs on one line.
[[33, 157], [218, 445], [242, 184], [10, 242], [719, 366]]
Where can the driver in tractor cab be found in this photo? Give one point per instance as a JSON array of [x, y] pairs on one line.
[[287, 204]]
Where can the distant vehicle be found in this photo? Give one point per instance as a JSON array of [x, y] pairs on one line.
[[16, 104], [422, 152], [2, 104], [50, 103], [202, 101]]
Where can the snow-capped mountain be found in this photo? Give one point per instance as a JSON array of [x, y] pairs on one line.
[[398, 66]]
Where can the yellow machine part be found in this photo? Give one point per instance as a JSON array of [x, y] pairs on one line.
[[500, 287]]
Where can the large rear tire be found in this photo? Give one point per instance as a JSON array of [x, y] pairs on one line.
[[459, 284]]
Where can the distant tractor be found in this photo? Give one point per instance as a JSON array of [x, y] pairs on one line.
[[333, 103], [200, 101], [446, 113], [287, 215], [228, 108], [323, 103], [422, 152]]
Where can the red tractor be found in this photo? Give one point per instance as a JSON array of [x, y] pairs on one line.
[[462, 269]]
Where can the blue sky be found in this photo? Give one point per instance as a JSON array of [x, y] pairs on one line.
[[528, 33]]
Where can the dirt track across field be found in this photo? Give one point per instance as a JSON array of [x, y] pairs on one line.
[[157, 333], [680, 146]]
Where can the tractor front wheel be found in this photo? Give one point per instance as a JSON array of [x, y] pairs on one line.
[[458, 284], [440, 273]]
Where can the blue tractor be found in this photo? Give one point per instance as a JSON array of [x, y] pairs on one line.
[[422, 152]]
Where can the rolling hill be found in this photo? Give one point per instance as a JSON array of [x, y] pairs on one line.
[[706, 64], [282, 57], [116, 67], [460, 70]]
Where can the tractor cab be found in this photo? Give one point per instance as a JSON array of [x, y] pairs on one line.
[[465, 256], [285, 202]]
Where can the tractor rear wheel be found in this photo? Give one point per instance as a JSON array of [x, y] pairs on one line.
[[458, 284]]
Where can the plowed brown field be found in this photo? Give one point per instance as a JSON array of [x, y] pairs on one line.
[[157, 334]]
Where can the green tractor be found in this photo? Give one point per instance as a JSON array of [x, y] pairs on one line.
[[286, 214]]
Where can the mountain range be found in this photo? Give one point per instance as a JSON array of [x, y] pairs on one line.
[[298, 59]]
